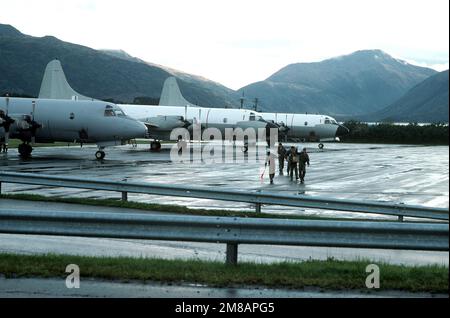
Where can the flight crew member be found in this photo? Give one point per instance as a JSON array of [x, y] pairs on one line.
[[270, 160], [303, 159], [6, 123], [2, 144], [293, 163], [281, 157]]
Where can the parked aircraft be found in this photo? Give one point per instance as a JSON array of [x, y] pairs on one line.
[[204, 118], [48, 121], [162, 120], [297, 127]]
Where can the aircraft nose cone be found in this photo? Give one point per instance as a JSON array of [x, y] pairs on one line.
[[342, 130], [138, 130]]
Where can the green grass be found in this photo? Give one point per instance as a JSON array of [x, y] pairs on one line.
[[176, 209], [329, 274]]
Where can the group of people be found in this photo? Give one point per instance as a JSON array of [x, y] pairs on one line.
[[296, 162]]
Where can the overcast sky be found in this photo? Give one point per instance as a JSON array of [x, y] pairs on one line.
[[237, 42]]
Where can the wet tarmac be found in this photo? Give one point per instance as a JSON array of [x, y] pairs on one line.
[[391, 173]]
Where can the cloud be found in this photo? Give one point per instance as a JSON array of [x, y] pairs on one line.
[[237, 42], [435, 66]]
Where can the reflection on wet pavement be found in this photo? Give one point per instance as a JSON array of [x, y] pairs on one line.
[[415, 175]]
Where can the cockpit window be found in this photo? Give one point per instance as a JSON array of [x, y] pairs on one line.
[[119, 112], [327, 121], [254, 117], [111, 111]]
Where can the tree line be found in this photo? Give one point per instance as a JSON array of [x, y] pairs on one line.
[[435, 134]]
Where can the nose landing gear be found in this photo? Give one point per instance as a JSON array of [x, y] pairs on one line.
[[100, 155]]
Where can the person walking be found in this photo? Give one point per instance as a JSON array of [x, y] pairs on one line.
[[293, 163], [2, 144], [6, 123], [270, 160], [303, 160], [281, 158]]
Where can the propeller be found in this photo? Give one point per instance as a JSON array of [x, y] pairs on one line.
[[283, 128], [192, 123], [186, 122]]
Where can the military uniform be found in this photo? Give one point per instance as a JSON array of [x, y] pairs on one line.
[[281, 158], [293, 164], [303, 160]]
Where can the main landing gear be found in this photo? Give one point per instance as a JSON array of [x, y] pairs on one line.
[[155, 146], [100, 155]]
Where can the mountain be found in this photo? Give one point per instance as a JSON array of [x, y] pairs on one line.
[[426, 102], [359, 83], [365, 82], [98, 74]]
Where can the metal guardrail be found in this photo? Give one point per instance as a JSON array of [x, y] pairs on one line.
[[231, 231], [256, 198]]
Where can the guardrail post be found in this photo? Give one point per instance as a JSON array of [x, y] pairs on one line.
[[232, 254], [258, 208], [0, 187], [400, 218], [124, 193]]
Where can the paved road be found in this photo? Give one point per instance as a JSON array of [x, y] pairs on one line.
[[54, 287], [32, 244]]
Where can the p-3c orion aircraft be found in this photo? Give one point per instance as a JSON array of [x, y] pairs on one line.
[[48, 121], [296, 127], [163, 119]]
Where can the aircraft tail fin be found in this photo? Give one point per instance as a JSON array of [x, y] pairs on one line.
[[171, 94], [55, 86]]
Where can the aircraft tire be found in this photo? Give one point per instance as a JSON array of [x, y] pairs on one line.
[[155, 146], [100, 155], [321, 146]]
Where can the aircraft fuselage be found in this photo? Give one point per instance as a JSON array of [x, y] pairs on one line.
[[70, 121]]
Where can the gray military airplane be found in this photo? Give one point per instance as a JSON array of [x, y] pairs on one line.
[[55, 86], [48, 121], [162, 120], [296, 127]]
